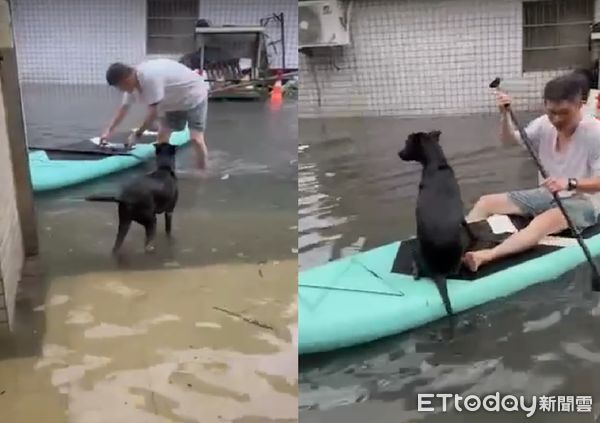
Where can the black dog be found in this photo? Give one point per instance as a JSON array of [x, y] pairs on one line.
[[441, 225], [147, 196]]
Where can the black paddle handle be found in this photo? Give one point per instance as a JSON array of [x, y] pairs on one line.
[[544, 173]]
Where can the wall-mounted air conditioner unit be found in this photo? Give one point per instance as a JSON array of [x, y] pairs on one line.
[[322, 23]]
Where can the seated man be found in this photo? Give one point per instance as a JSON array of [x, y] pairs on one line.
[[568, 145]]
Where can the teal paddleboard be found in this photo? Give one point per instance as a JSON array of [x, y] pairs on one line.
[[362, 298], [49, 173]]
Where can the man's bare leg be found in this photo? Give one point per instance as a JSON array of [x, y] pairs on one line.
[[488, 205], [547, 223], [200, 147]]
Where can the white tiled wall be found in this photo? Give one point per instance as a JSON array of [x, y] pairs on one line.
[[415, 57], [250, 12], [74, 41]]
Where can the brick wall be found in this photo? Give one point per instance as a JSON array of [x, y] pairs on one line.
[[420, 57], [74, 41], [11, 244]]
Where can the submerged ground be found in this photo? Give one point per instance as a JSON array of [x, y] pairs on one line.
[[355, 194], [202, 330]]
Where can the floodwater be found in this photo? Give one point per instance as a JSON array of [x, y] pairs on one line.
[[355, 194], [204, 329]]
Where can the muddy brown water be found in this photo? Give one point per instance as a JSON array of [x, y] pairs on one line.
[[202, 330], [355, 194]]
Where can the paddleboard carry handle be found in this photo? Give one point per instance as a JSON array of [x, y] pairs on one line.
[[495, 84]]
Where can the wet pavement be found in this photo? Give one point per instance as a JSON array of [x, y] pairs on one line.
[[355, 194], [202, 330]]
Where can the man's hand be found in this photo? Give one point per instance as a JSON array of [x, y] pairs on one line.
[[556, 184], [105, 136], [502, 100], [133, 138]]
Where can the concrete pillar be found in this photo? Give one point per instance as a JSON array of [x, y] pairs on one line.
[[18, 233], [16, 132]]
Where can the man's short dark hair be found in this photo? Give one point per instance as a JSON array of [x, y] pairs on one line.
[[117, 72], [571, 87]]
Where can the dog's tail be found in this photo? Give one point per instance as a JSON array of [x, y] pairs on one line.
[[102, 198], [442, 286]]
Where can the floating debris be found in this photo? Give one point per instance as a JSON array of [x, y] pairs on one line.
[[245, 319], [56, 300]]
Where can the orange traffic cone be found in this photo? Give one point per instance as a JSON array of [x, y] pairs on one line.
[[277, 91]]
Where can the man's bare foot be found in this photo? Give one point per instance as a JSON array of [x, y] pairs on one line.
[[475, 259]]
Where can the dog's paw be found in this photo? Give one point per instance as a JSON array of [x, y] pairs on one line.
[[150, 248]]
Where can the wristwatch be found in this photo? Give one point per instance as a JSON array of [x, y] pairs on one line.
[[138, 133], [572, 184]]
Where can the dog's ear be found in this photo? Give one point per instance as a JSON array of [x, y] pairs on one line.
[[435, 135]]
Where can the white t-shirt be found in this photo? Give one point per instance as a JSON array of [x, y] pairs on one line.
[[170, 84], [581, 159]]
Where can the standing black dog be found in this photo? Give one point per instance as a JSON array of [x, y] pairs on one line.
[[440, 217], [147, 196]]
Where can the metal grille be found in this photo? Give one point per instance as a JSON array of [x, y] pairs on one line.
[[171, 26], [555, 34]]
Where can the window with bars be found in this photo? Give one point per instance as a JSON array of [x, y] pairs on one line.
[[170, 26], [555, 34]]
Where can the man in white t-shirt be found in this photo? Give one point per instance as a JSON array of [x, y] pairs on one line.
[[568, 145], [172, 92]]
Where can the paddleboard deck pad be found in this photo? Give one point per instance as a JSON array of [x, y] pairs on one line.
[[373, 294], [54, 167]]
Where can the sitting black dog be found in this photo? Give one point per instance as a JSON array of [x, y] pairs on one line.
[[147, 196], [442, 232]]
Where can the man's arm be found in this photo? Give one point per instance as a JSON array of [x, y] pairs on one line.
[[154, 93], [116, 120], [509, 134], [150, 117], [589, 185]]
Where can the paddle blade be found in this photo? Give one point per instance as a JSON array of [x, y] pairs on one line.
[[514, 85]]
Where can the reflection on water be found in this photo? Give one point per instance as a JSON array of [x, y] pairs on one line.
[[202, 330], [356, 194]]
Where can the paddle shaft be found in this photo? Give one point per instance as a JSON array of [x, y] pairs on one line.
[[544, 173]]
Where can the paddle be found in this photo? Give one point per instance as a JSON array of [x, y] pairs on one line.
[[106, 152], [495, 84]]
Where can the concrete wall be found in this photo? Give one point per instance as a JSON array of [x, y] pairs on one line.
[[18, 228], [74, 41], [12, 255], [420, 57]]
